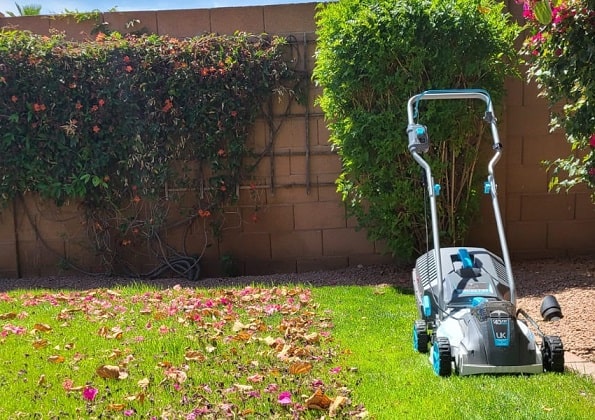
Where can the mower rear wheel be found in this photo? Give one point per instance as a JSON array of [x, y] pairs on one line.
[[552, 353], [420, 336], [442, 357]]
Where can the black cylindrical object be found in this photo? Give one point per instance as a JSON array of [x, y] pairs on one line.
[[550, 309]]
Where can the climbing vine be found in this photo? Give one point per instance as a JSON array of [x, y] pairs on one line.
[[117, 122]]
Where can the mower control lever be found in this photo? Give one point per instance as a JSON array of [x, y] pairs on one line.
[[418, 138]]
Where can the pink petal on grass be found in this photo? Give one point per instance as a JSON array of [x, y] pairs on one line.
[[284, 398], [89, 393]]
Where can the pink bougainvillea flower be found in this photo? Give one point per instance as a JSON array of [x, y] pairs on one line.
[[592, 140], [67, 384], [284, 398], [89, 393], [129, 412], [336, 369], [101, 102], [255, 378], [128, 69], [271, 388]]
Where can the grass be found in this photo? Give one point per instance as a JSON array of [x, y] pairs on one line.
[[139, 352], [393, 381]]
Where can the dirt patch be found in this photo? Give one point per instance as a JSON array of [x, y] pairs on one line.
[[571, 281]]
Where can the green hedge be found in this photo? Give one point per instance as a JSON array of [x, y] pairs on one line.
[[372, 56]]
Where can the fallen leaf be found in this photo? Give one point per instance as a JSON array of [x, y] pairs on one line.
[[318, 401], [111, 372], [41, 380], [194, 356], [300, 368], [116, 407], [242, 336], [338, 402], [143, 383], [56, 359], [8, 315], [42, 327], [39, 344]]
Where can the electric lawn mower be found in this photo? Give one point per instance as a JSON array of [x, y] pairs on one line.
[[466, 297]]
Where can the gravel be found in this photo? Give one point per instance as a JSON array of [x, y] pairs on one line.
[[570, 280]]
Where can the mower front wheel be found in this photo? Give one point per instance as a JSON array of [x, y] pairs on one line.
[[552, 353], [442, 357], [420, 336]]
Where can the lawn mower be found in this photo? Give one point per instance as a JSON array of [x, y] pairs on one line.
[[466, 297]]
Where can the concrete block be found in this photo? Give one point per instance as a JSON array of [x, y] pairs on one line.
[[183, 23], [291, 135], [73, 30], [296, 244], [318, 164], [346, 241], [536, 149], [528, 121], [227, 20], [290, 195], [572, 235], [283, 19], [36, 24], [585, 208], [248, 245], [527, 236], [526, 179], [143, 21], [273, 218], [547, 207], [322, 215]]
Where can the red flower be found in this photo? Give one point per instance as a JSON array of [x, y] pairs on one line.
[[38, 107], [78, 105], [234, 113], [96, 129], [221, 153], [128, 69], [101, 102], [168, 105], [592, 140], [126, 59]]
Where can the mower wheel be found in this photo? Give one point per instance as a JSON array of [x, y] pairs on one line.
[[552, 353], [442, 357], [420, 336]]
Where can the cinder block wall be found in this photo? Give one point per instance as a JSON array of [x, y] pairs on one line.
[[293, 219]]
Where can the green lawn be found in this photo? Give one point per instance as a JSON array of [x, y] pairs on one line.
[[281, 352], [393, 381]]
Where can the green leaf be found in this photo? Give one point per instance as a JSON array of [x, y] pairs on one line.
[[543, 12]]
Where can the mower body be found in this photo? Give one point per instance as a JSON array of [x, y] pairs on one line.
[[479, 323], [466, 297]]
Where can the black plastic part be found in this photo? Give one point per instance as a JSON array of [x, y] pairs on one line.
[[421, 337], [550, 309], [552, 352], [443, 358]]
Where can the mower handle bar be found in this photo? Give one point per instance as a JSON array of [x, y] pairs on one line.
[[412, 109]]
